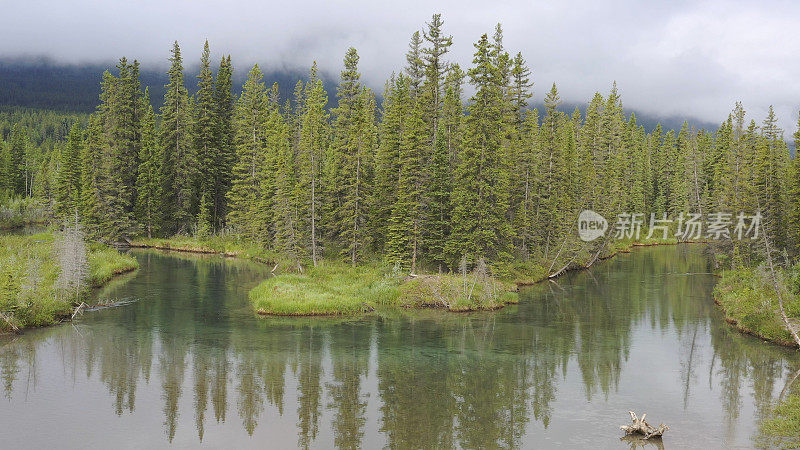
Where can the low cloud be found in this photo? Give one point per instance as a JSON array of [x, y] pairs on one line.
[[685, 58]]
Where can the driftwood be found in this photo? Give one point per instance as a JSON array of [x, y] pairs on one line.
[[79, 309], [10, 322], [639, 426], [789, 323]]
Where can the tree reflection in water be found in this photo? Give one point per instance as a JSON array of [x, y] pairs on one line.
[[636, 332]]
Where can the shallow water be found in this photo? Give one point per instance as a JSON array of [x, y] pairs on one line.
[[188, 363]]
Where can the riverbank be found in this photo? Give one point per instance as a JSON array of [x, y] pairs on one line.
[[29, 270], [782, 428], [217, 245], [748, 300], [335, 288]]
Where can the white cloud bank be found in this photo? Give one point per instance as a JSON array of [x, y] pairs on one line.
[[688, 58]]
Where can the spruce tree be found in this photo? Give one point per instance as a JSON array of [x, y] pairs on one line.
[[435, 69], [353, 144], [313, 142], [180, 160], [244, 197], [396, 102], [415, 66], [405, 225], [68, 194], [149, 185], [438, 219], [223, 139], [204, 141], [18, 172], [793, 197], [480, 198], [5, 171]]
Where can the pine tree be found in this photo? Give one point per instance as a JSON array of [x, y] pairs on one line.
[[19, 172], [435, 70], [793, 197], [480, 198], [313, 142], [438, 219], [250, 121], [5, 171], [149, 185], [396, 102], [405, 228], [353, 143], [68, 195], [180, 161], [223, 139], [204, 141]]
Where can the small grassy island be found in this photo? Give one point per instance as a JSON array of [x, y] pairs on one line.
[[334, 288]]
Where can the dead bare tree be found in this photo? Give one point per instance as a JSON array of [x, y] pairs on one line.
[[73, 259], [640, 426], [779, 287]]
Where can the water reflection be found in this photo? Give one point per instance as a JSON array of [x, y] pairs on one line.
[[561, 368]]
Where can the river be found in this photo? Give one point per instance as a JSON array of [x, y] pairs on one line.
[[186, 362]]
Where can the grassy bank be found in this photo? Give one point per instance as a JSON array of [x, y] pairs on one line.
[[749, 302], [223, 245], [29, 294], [575, 256], [782, 429], [335, 288]]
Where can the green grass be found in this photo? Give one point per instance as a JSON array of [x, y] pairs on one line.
[[454, 292], [782, 429], [331, 288], [28, 274], [226, 245], [105, 263], [336, 288], [750, 302]]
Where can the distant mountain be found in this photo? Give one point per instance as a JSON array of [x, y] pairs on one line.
[[649, 121], [42, 84]]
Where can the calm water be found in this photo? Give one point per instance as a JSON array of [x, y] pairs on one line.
[[187, 363]]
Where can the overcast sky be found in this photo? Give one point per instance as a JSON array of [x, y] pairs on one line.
[[686, 58]]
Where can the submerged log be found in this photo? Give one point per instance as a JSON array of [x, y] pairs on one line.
[[639, 426]]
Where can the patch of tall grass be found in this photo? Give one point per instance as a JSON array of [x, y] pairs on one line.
[[748, 298], [331, 288], [29, 270]]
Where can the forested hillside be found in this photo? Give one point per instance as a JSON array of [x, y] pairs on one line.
[[45, 84], [423, 177]]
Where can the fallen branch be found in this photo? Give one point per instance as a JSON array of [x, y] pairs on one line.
[[10, 323], [778, 290], [79, 309], [640, 426]]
